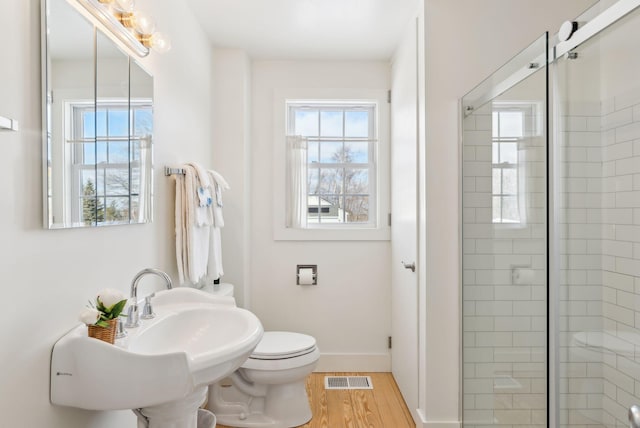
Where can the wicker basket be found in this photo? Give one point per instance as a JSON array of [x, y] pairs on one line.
[[107, 334]]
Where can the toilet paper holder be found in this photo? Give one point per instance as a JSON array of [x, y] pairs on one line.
[[314, 273]]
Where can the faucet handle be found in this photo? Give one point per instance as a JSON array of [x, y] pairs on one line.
[[147, 310], [120, 331], [132, 316]]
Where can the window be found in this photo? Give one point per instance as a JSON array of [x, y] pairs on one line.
[[104, 175], [340, 161], [331, 164], [512, 124]]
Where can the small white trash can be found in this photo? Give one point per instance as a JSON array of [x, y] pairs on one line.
[[206, 419]]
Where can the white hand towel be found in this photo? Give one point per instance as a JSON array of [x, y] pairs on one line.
[[219, 179], [179, 227], [215, 255], [197, 234], [220, 184], [203, 190]]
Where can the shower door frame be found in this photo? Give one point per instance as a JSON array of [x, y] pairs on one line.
[[585, 32]]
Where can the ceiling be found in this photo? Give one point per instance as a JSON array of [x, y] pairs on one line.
[[306, 29]]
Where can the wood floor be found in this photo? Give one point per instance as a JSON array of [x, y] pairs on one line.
[[380, 407]]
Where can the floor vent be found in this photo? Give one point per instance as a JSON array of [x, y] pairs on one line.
[[348, 382]]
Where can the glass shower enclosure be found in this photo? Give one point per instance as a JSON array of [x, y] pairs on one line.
[[551, 232], [505, 244]]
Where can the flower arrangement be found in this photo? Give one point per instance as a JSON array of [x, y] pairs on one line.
[[108, 306]]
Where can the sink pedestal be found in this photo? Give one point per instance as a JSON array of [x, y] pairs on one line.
[[176, 414]]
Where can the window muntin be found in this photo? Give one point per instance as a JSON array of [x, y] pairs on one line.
[[341, 152]]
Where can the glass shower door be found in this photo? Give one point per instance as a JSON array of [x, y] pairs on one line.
[[504, 260], [597, 146]]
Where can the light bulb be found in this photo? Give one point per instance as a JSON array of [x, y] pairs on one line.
[[127, 19], [160, 43], [107, 4], [125, 5], [144, 24]]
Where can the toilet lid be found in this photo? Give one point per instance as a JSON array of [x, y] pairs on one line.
[[277, 345]]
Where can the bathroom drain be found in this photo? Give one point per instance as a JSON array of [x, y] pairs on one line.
[[348, 382]]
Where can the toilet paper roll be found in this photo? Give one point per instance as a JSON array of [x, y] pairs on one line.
[[305, 276]]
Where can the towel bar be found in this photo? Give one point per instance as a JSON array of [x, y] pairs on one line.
[[171, 171]]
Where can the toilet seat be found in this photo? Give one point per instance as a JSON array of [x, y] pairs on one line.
[[279, 345]]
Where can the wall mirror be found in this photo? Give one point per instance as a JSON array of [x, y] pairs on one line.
[[98, 118]]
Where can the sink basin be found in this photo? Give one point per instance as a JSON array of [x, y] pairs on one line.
[[195, 340]]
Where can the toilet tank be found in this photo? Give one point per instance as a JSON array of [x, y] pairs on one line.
[[222, 289]]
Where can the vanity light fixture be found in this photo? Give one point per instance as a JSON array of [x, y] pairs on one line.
[[133, 28]]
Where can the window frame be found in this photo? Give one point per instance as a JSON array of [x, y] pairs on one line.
[[531, 127], [75, 155], [372, 141], [375, 230]]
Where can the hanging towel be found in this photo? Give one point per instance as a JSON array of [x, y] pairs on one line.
[[194, 220], [220, 184], [181, 233], [203, 196], [215, 243]]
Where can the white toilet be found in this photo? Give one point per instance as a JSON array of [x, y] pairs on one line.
[[268, 390]]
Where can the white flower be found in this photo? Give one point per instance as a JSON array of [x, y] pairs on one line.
[[89, 316], [109, 297]]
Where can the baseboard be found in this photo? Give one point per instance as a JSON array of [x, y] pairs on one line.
[[431, 424], [424, 423], [354, 363]]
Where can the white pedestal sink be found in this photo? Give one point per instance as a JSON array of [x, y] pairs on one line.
[[163, 366]]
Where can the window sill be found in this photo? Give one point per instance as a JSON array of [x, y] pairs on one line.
[[332, 234]]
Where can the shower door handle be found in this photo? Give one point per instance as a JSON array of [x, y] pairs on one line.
[[634, 416]]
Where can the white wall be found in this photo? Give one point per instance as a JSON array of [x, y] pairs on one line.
[[348, 312], [49, 275], [231, 84], [466, 40]]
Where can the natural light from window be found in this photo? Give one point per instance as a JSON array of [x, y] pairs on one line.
[[508, 131], [340, 161], [105, 168]]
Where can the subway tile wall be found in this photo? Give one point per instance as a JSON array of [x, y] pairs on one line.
[[598, 237], [579, 239], [504, 292]]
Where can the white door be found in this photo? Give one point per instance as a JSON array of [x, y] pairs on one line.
[[404, 216]]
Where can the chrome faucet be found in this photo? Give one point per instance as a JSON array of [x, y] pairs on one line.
[[133, 317]]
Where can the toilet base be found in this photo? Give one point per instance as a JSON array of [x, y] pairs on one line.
[[283, 406]]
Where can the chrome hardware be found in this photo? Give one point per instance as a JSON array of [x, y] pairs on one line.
[[147, 310], [411, 266], [566, 30], [314, 271], [133, 318], [142, 419], [120, 331], [634, 416]]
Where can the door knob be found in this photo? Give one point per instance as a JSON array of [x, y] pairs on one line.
[[412, 266], [634, 416]]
